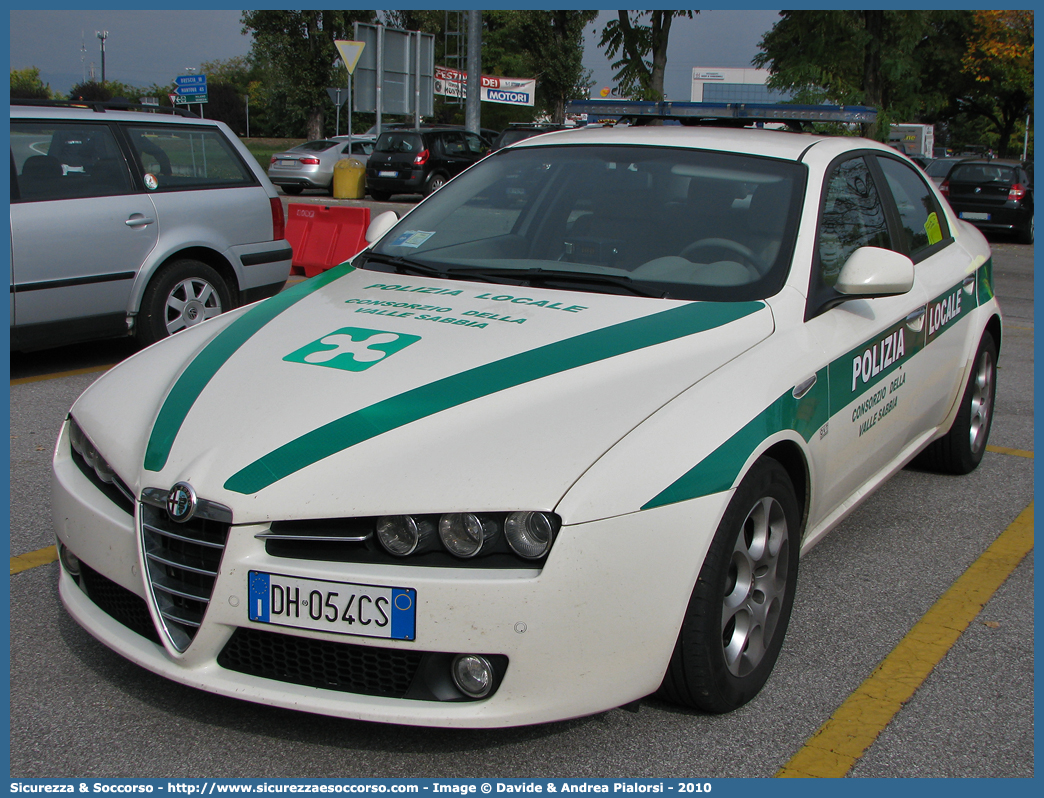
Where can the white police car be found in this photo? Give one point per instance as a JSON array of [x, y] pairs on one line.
[[555, 442]]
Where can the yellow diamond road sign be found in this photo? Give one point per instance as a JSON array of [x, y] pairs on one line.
[[350, 52]]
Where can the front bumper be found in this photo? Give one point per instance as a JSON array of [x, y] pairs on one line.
[[594, 629]]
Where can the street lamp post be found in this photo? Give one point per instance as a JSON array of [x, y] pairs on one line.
[[103, 35]]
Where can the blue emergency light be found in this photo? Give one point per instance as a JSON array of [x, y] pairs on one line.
[[731, 113]]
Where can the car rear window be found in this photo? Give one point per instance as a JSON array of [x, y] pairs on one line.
[[316, 146], [179, 157], [399, 142], [982, 173]]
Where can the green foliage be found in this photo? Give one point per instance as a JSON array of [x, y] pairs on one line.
[[294, 52], [642, 49], [942, 67], [27, 85]]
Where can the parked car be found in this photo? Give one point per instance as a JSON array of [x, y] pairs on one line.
[[519, 131], [420, 160], [557, 456], [130, 223], [993, 195], [311, 165], [940, 167]]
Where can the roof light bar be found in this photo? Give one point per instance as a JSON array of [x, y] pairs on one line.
[[747, 112]]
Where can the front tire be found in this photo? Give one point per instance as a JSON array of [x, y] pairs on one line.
[[740, 607], [182, 294], [961, 449]]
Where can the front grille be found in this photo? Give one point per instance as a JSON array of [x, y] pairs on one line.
[[182, 562], [321, 663], [118, 602]]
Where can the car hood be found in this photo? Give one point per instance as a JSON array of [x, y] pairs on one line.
[[362, 393]]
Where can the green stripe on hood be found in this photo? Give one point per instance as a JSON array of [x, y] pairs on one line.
[[426, 400], [214, 355]]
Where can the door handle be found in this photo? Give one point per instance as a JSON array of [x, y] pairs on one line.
[[138, 220], [915, 321]]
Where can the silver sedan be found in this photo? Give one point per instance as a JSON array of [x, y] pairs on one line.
[[311, 165]]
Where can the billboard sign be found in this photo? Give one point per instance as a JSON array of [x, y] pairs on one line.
[[510, 91]]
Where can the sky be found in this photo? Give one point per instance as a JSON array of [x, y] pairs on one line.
[[147, 47]]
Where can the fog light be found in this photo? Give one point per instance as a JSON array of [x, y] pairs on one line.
[[402, 535], [528, 534], [462, 534], [70, 561], [473, 675]]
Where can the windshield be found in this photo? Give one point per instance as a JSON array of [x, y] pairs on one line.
[[653, 221], [940, 168]]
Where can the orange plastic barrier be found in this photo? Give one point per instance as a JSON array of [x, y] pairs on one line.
[[323, 235]]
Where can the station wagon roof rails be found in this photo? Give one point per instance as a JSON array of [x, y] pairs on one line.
[[642, 112], [101, 106]]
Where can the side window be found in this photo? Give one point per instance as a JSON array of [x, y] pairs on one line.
[[453, 144], [924, 223], [173, 157], [852, 217], [476, 146], [55, 161]]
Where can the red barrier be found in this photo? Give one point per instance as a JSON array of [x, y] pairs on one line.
[[323, 236]]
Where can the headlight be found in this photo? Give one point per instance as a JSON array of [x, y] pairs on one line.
[[463, 534], [402, 535], [528, 534], [82, 445]]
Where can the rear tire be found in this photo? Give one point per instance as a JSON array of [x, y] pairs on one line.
[[740, 607], [435, 182], [380, 196], [181, 294], [292, 191], [961, 449]]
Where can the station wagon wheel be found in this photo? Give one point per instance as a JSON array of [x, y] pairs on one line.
[[182, 294], [961, 449], [740, 607]]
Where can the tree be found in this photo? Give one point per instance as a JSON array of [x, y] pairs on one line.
[[871, 57], [638, 77], [999, 60], [27, 85], [552, 52], [91, 91], [296, 51]]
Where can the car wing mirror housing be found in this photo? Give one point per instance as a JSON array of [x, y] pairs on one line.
[[380, 225], [875, 272]]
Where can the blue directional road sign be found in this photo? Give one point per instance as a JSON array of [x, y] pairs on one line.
[[190, 85]]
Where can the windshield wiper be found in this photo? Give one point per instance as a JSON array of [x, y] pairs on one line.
[[548, 276], [405, 265]]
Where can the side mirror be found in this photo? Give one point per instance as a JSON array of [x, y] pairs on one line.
[[873, 272], [380, 225]]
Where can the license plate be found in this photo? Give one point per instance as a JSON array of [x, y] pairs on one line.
[[975, 217], [339, 607], [387, 174], [288, 163]]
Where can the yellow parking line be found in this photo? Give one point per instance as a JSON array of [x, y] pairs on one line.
[[56, 375], [23, 562], [1006, 450], [833, 750]]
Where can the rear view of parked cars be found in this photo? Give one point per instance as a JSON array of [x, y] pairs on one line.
[[130, 223], [994, 195], [311, 165]]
